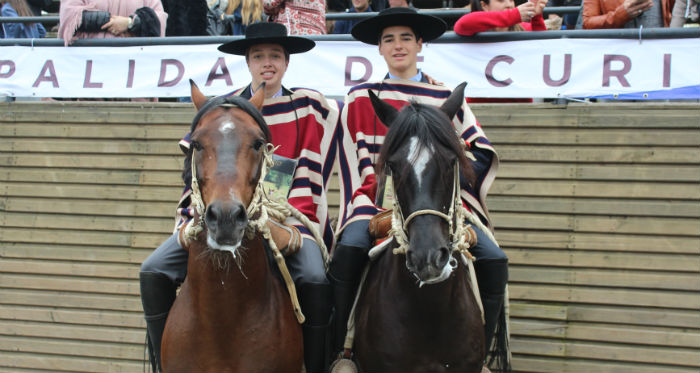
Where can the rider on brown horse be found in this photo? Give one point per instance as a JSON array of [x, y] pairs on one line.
[[400, 33], [302, 123]]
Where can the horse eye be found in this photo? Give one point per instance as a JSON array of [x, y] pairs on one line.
[[196, 145], [258, 144]]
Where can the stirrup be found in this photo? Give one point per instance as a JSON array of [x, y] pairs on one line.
[[344, 363]]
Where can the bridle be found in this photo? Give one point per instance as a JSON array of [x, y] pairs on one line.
[[255, 208], [459, 235]]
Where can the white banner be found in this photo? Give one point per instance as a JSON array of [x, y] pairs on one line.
[[617, 68]]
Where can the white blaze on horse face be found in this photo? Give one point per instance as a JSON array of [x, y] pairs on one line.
[[226, 126], [421, 159]]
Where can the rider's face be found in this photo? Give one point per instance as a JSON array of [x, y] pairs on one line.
[[267, 63], [399, 47]]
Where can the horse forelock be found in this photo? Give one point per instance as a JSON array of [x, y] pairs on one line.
[[212, 103], [432, 129]]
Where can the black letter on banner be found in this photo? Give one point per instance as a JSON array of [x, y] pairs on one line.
[[10, 64], [489, 71], [48, 67], [667, 70], [348, 69], [130, 77], [164, 66], [546, 71], [619, 74], [220, 63], [88, 74]]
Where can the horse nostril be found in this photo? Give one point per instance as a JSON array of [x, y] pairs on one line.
[[211, 215], [443, 256], [409, 259], [239, 215]]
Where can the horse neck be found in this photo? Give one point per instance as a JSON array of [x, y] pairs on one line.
[[451, 293]]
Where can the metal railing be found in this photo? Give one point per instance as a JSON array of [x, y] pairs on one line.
[[449, 37]]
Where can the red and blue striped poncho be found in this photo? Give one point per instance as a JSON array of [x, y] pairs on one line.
[[362, 134]]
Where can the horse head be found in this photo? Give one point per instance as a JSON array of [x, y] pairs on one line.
[[229, 140], [425, 157]]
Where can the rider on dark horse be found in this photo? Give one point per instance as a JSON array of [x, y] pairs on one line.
[[302, 123], [400, 33]]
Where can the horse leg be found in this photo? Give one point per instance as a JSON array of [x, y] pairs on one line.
[[157, 296]]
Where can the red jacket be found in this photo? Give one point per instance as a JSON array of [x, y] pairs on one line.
[[479, 21]]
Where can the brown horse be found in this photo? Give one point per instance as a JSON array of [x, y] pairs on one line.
[[417, 312], [232, 313]]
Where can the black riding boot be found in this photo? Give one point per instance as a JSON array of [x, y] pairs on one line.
[[492, 276], [344, 273], [157, 296], [315, 302]]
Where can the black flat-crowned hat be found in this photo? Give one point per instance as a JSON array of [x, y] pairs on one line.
[[264, 33], [428, 27]]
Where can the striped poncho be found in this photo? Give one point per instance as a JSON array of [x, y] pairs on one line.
[[302, 123], [362, 135]]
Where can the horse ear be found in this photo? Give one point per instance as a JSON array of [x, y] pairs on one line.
[[385, 112], [454, 101], [259, 96], [197, 97]]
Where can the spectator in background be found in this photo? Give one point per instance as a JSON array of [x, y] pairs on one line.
[[343, 26], [301, 17], [83, 19], [397, 3], [685, 11], [185, 17], [19, 8], [502, 15], [245, 12], [36, 6], [599, 14]]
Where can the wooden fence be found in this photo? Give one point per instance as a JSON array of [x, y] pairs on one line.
[[597, 206]]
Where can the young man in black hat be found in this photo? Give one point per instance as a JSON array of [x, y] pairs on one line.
[[400, 33], [302, 123]]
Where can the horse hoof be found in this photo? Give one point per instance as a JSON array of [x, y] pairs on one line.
[[343, 366]]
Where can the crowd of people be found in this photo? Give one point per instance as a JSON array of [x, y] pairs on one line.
[[105, 19]]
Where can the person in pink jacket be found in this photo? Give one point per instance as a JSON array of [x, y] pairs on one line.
[[84, 19], [502, 15], [302, 17]]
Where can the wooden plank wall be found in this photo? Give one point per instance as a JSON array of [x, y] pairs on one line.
[[597, 206]]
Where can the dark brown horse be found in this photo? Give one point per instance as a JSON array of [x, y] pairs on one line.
[[416, 311], [232, 313]]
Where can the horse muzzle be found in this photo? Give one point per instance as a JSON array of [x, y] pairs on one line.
[[430, 266], [226, 223]]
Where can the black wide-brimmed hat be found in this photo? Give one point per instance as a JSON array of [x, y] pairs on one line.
[[428, 27], [267, 32]]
